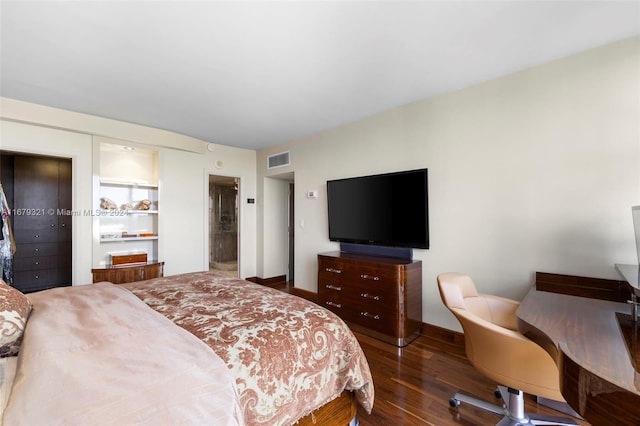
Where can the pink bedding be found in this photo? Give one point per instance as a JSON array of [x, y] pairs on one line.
[[289, 356], [97, 355]]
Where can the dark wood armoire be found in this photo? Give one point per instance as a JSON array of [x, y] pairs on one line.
[[39, 191]]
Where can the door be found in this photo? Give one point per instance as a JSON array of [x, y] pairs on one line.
[[223, 224]]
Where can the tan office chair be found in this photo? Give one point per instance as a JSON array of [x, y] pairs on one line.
[[494, 347]]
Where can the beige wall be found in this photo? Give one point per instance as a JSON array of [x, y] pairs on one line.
[[184, 167], [535, 171]]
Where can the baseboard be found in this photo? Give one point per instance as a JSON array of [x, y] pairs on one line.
[[449, 341], [305, 294], [276, 281]]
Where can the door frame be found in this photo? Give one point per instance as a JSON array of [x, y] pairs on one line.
[[207, 219]]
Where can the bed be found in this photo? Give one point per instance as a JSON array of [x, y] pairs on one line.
[[197, 348]]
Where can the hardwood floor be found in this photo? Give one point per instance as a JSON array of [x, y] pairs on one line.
[[413, 386]]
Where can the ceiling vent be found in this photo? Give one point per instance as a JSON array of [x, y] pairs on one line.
[[278, 160]]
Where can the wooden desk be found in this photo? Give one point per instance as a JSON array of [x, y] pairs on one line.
[[598, 375]]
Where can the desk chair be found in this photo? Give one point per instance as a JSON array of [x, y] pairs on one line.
[[496, 348]]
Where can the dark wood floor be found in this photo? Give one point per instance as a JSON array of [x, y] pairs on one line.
[[413, 386]]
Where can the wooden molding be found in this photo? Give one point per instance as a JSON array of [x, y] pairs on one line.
[[280, 280]]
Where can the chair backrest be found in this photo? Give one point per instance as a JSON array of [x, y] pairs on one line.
[[493, 344], [459, 293]]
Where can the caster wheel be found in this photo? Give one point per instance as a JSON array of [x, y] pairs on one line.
[[497, 394], [454, 403]]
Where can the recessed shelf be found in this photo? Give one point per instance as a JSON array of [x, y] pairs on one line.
[[121, 213], [120, 239], [126, 201], [128, 183]]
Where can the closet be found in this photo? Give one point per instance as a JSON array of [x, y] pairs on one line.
[[38, 191]]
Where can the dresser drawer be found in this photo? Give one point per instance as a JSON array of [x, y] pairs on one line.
[[382, 322], [364, 276], [37, 235], [366, 297], [37, 249], [35, 263], [29, 281], [331, 269]]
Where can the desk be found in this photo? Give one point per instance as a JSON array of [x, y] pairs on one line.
[[631, 274], [584, 337]]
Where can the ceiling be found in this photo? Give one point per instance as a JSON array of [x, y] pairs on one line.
[[255, 74]]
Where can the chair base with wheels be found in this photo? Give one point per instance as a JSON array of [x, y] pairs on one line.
[[512, 410]]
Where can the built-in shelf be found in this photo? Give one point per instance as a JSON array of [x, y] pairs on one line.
[[127, 183], [120, 212], [110, 240], [127, 178]]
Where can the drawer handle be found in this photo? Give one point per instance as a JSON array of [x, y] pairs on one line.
[[369, 296], [368, 315], [369, 277], [335, 305], [333, 287], [335, 271], [37, 263], [36, 249], [37, 277]]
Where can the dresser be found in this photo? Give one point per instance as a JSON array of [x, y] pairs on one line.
[[120, 274], [377, 296]]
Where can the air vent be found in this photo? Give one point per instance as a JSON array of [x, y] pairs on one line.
[[278, 160]]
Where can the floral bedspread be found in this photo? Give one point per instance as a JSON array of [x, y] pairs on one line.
[[289, 356]]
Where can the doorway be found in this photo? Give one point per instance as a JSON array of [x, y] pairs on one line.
[[279, 226], [223, 224], [39, 190], [291, 232]]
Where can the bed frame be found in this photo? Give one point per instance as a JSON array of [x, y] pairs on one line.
[[339, 412]]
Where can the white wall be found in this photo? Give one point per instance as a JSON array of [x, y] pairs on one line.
[[535, 171], [181, 215], [240, 163], [185, 164], [183, 219]]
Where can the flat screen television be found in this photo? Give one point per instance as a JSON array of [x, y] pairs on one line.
[[389, 210]]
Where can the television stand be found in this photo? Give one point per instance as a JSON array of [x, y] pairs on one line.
[[377, 296]]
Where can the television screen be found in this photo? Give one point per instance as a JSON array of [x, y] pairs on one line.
[[386, 210]]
